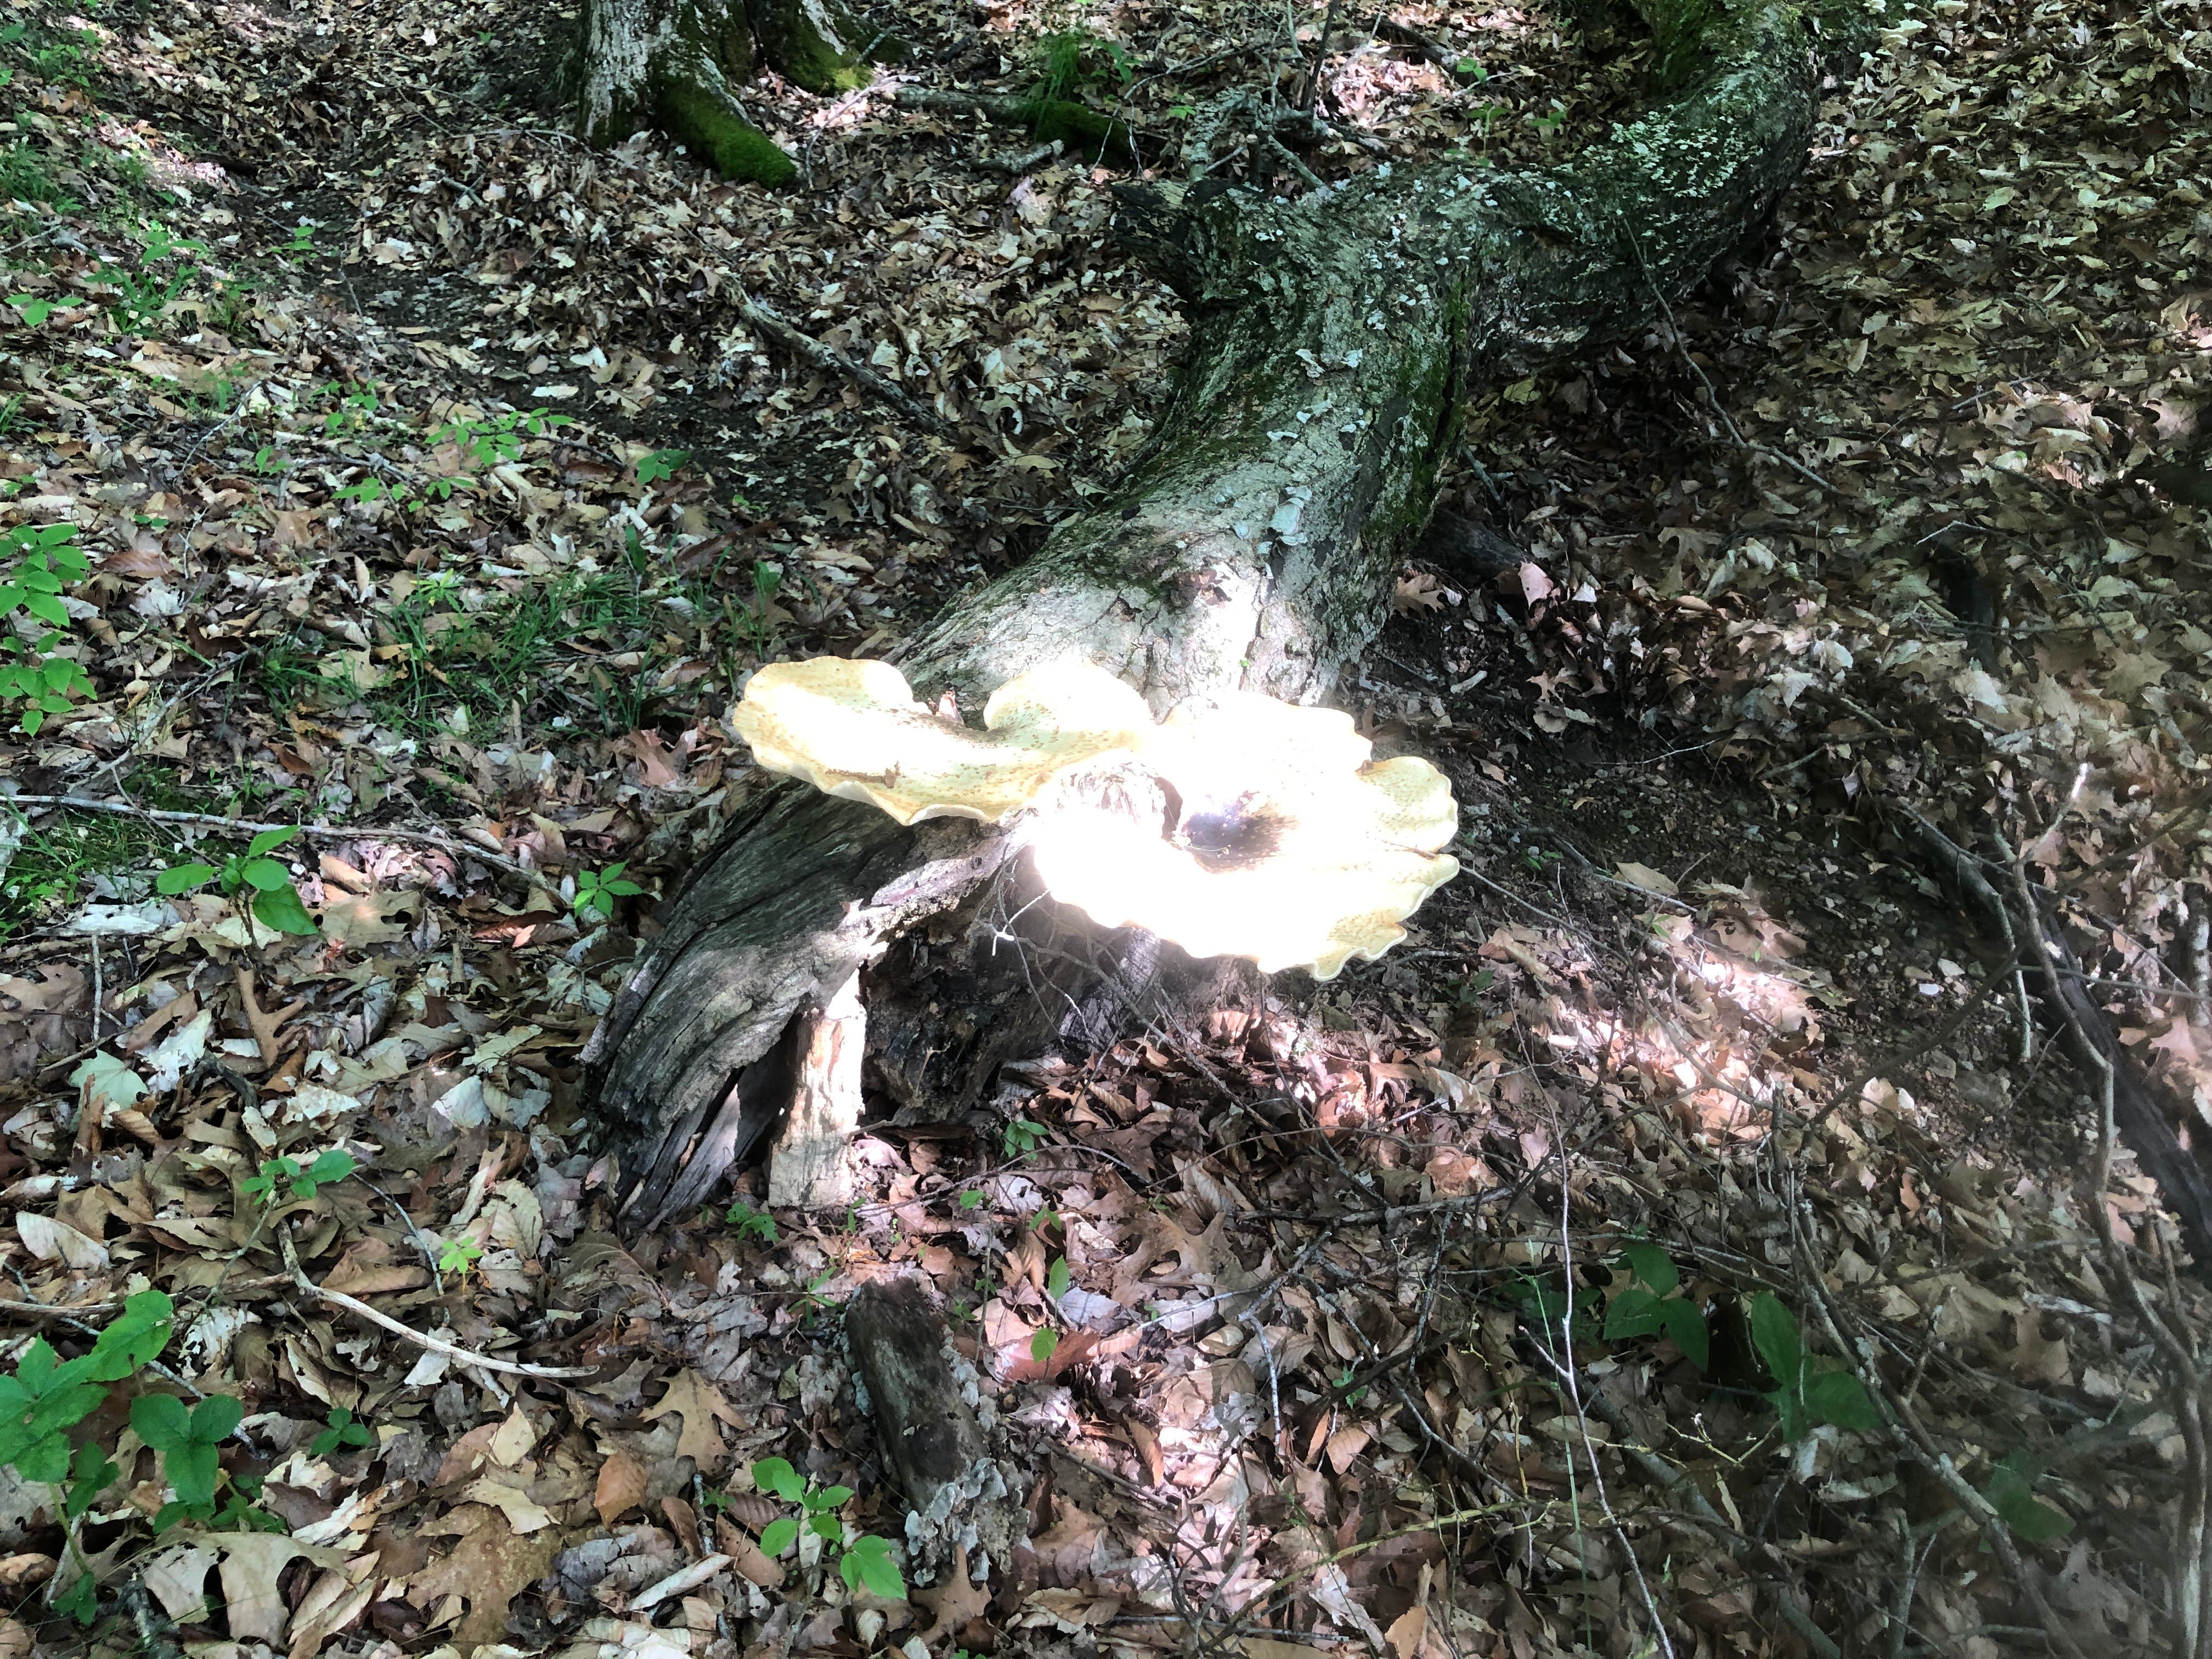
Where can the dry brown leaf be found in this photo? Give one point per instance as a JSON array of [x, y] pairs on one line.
[[751, 1562], [252, 1564], [488, 1567], [957, 1602], [698, 1402], [622, 1486]]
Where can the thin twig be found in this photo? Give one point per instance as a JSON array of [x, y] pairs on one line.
[[800, 344], [435, 1345]]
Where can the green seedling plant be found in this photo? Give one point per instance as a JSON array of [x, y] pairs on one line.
[[597, 889], [49, 1395], [1653, 1304], [190, 1441], [865, 1563], [488, 440], [661, 463], [459, 1256], [37, 562], [750, 1223], [275, 903], [760, 621], [343, 1430], [283, 1179], [1023, 1136], [971, 1200], [1809, 1392]]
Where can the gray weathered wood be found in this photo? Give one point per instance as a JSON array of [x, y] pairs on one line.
[[934, 1430]]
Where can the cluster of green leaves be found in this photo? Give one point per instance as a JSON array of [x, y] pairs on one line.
[[1022, 1136], [487, 440], [340, 1430], [276, 902], [285, 1178], [750, 1223], [1810, 1392], [458, 1255], [59, 57], [1072, 60], [190, 1440], [37, 562], [597, 889], [867, 1563], [49, 1395], [1655, 1303], [661, 463]]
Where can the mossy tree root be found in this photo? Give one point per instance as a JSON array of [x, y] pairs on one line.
[[674, 65], [692, 103]]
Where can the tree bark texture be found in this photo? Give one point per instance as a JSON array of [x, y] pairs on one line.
[[1333, 341], [675, 65]]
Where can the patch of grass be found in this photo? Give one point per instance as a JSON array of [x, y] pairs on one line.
[[484, 661], [57, 859], [27, 174]]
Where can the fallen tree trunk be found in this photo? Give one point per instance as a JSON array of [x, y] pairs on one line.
[[1333, 339]]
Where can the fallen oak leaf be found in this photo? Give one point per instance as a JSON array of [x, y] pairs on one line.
[[699, 1403], [252, 1564], [489, 1566]]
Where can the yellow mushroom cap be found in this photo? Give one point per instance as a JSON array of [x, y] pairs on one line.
[[852, 728], [1294, 847]]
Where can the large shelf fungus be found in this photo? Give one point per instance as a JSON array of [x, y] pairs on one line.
[[1242, 827], [852, 728]]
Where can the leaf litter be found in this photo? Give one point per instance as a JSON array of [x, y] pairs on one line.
[[431, 481]]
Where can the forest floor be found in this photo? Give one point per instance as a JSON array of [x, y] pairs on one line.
[[1681, 1244]]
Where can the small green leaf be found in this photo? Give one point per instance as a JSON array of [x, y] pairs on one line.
[[1652, 1267], [829, 1498], [1631, 1314], [825, 1525], [1058, 1280], [45, 1460], [269, 840], [161, 1420], [774, 1474], [2011, 1493], [1774, 1333], [778, 1536], [35, 311], [334, 1165], [280, 909], [870, 1566], [1839, 1398], [80, 1601], [1043, 1344], [215, 1417], [266, 874], [1682, 1321]]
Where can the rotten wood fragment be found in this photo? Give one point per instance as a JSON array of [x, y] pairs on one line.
[[935, 1431], [811, 1165]]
